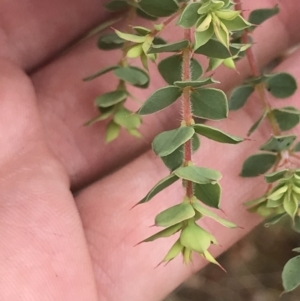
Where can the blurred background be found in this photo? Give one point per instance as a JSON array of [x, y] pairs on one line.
[[253, 265]]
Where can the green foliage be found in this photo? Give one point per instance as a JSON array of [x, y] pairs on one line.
[[197, 174], [209, 194], [170, 69], [291, 275], [287, 117], [204, 107], [218, 29], [216, 135], [167, 142], [239, 96], [278, 143], [161, 185], [174, 215], [158, 8], [258, 164], [259, 16], [281, 85], [160, 100]]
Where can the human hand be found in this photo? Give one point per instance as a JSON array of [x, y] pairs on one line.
[[56, 245]]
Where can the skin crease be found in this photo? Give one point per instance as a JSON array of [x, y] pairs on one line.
[[55, 246]]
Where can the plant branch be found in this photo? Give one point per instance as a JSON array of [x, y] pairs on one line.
[[186, 106], [260, 88]]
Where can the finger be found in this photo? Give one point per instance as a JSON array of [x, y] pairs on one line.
[[66, 102], [43, 251], [112, 229], [33, 31]]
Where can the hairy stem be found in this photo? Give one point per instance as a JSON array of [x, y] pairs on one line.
[[186, 106]]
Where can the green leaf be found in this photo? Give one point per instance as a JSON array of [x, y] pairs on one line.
[[127, 119], [238, 23], [198, 175], [174, 251], [99, 73], [281, 85], [215, 49], [209, 194], [160, 99], [143, 31], [112, 131], [258, 164], [255, 126], [209, 104], [291, 275], [170, 69], [215, 134], [278, 143], [111, 98], [173, 47], [258, 16], [175, 160], [110, 41], [274, 219], [239, 96], [167, 142], [195, 238], [202, 37], [296, 224], [164, 233], [130, 37], [296, 148], [208, 213], [287, 117], [143, 15], [214, 63], [133, 75], [158, 8], [161, 185], [275, 176], [196, 83], [174, 215], [135, 51], [296, 250], [189, 16], [116, 5], [290, 205], [134, 133]]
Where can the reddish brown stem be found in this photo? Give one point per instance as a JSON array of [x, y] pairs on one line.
[[186, 106]]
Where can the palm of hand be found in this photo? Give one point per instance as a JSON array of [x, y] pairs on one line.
[[57, 247]]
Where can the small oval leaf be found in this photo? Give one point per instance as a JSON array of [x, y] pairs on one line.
[[174, 215], [281, 85], [278, 143], [170, 69], [209, 103], [287, 117], [208, 213], [111, 98], [198, 175], [291, 275], [167, 142], [160, 99], [239, 97], [161, 185], [258, 164], [158, 8], [133, 75], [209, 194], [216, 135], [173, 47]]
